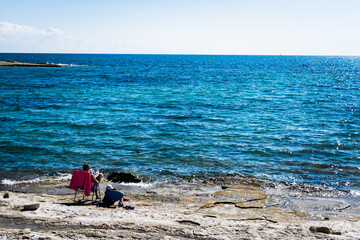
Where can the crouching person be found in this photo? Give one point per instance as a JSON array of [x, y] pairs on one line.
[[111, 196]]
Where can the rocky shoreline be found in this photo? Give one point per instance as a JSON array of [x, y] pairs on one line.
[[220, 209], [10, 63]]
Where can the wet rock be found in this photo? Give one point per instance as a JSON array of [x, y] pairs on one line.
[[123, 177], [232, 179], [6, 195], [66, 171], [31, 207]]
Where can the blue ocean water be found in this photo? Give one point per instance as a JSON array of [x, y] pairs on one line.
[[282, 118]]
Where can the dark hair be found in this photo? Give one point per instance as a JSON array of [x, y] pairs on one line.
[[86, 167]]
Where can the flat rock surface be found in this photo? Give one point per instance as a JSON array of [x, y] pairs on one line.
[[168, 211]]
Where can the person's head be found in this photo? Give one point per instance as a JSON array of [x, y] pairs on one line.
[[110, 187], [86, 167]]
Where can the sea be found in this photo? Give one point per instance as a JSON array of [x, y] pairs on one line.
[[285, 119]]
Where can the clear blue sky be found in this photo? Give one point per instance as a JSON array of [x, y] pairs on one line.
[[307, 27]]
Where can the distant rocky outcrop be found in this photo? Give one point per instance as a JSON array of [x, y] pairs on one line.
[[123, 177], [10, 63]]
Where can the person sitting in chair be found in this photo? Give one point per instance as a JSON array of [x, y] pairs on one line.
[[95, 180]]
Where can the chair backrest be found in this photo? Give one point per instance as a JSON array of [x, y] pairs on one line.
[[81, 179]]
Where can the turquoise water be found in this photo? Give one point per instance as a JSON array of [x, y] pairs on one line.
[[282, 118]]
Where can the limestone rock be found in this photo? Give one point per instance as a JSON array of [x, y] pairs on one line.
[[249, 205], [248, 192]]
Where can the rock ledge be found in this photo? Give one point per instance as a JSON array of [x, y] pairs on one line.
[[21, 64]]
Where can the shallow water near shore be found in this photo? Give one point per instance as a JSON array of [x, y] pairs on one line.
[[287, 119]]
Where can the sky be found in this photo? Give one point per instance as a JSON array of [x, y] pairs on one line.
[[236, 27]]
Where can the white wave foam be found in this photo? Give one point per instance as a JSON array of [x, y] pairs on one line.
[[355, 193], [69, 65], [15, 182], [36, 180], [140, 184]]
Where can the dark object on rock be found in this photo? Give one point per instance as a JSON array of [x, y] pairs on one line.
[[151, 192], [31, 207], [210, 216], [188, 222], [129, 207], [224, 187], [9, 60], [321, 229], [6, 195], [123, 177]]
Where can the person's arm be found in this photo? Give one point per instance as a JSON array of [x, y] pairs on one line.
[[94, 180]]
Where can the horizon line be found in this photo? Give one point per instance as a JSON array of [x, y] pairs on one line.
[[189, 54]]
